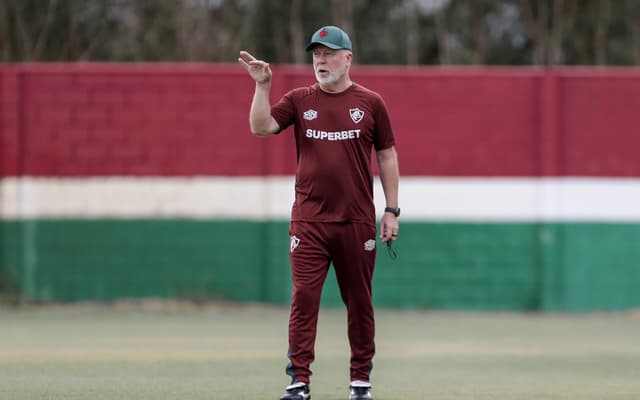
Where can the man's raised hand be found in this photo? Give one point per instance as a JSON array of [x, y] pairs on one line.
[[257, 69]]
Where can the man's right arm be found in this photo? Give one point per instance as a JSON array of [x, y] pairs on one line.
[[260, 119]]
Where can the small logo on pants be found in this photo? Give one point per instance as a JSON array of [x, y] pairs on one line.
[[369, 245], [294, 242]]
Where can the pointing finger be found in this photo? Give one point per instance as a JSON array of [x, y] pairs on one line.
[[246, 56]]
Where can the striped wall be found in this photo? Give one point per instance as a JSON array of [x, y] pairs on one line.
[[520, 187]]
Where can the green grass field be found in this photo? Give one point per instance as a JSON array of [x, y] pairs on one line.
[[222, 353]]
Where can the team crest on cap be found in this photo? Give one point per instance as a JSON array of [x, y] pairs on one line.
[[323, 33], [356, 114]]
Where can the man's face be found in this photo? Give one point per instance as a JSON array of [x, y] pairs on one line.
[[330, 65]]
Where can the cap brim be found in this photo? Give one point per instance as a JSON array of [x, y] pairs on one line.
[[329, 45]]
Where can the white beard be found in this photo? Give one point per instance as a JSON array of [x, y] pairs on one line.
[[332, 78]]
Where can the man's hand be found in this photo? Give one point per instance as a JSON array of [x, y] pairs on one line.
[[388, 227], [257, 69]]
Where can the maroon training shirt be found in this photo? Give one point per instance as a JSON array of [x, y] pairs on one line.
[[334, 136]]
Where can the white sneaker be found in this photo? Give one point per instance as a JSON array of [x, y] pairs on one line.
[[360, 390], [296, 391]]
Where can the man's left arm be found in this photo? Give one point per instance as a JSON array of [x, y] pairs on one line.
[[389, 176]]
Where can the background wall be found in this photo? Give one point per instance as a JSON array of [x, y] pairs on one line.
[[520, 187]]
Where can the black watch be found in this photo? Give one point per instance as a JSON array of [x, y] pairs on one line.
[[394, 211]]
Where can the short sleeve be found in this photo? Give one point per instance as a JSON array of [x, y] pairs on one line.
[[284, 111], [383, 135]]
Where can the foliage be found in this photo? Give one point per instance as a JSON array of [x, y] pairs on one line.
[[445, 32]]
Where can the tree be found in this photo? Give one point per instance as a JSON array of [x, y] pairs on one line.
[[446, 32]]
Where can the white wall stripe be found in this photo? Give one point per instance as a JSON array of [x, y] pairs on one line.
[[258, 198], [138, 197], [520, 199]]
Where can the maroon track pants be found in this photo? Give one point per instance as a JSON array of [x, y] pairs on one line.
[[351, 248]]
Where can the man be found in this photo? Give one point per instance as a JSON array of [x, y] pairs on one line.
[[336, 123]]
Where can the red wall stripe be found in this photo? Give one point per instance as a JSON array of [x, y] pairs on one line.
[[192, 119]]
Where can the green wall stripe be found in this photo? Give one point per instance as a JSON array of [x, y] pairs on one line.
[[483, 266], [110, 259]]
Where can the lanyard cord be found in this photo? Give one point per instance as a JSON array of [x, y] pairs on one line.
[[392, 253]]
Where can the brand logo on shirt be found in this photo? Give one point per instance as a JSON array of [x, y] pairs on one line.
[[356, 114], [334, 135], [369, 245], [310, 114], [293, 243]]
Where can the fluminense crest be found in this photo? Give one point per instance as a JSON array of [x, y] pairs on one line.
[[356, 114], [294, 242]]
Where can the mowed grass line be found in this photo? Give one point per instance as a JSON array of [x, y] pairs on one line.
[[224, 353]]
